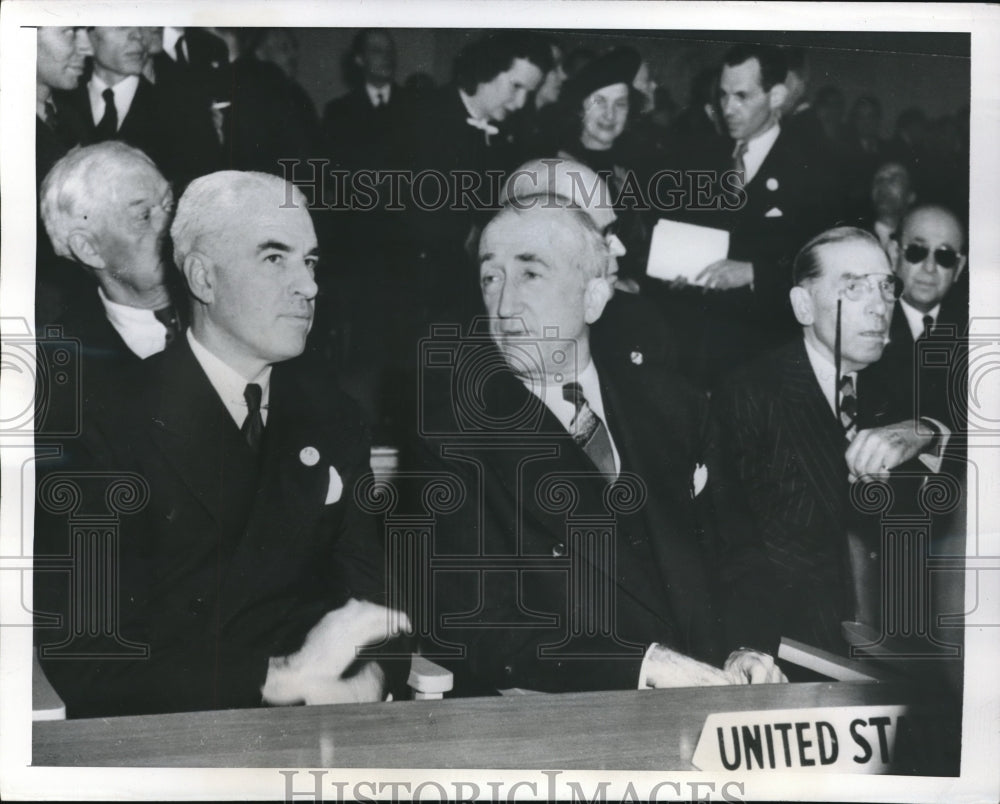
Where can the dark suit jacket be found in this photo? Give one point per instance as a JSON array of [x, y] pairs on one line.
[[677, 564], [230, 561], [786, 447], [169, 122], [358, 136], [924, 377]]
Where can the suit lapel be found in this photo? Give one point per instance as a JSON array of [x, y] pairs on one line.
[[647, 431], [816, 435], [199, 438]]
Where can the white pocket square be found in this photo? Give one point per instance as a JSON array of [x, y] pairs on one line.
[[699, 479], [774, 212], [336, 487]]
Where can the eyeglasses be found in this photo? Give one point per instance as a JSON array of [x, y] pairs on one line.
[[889, 286], [944, 256]]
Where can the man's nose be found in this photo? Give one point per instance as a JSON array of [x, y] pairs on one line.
[[135, 34], [508, 303], [83, 45], [930, 263], [304, 282]]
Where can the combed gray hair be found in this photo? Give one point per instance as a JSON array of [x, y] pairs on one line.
[[211, 203], [71, 197], [594, 251]]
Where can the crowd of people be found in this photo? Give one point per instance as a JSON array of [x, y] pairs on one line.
[[650, 482]]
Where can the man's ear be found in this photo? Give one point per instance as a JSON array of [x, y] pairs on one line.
[[802, 305], [777, 96], [84, 249], [962, 260], [197, 270], [595, 297]]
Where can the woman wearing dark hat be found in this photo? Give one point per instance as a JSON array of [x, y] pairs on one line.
[[598, 98]]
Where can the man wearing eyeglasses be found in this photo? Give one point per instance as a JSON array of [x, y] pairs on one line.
[[928, 256], [804, 422]]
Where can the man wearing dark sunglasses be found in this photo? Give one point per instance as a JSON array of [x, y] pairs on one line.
[[928, 256]]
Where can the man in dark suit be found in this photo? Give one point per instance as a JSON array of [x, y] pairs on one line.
[[364, 129], [928, 255], [797, 436], [60, 62], [559, 581], [108, 209], [171, 124], [788, 197], [244, 570]]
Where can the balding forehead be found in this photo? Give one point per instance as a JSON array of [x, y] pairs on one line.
[[929, 221]]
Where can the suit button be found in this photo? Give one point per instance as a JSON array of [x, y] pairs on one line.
[[508, 669], [873, 555], [197, 606], [559, 550]]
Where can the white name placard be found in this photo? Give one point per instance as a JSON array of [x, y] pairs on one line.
[[849, 739]]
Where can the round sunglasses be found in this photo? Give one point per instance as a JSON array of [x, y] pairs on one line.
[[944, 256]]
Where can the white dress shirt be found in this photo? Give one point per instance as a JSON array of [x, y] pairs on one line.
[[825, 374], [124, 92], [142, 332], [229, 384], [757, 150], [170, 37], [551, 393], [915, 318], [378, 95]]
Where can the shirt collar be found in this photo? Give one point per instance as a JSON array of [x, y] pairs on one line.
[[915, 318], [826, 374], [124, 95], [170, 37], [375, 93], [757, 150], [142, 332], [228, 383]]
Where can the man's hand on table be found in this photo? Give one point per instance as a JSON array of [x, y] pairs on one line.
[[664, 667], [747, 666], [316, 673]]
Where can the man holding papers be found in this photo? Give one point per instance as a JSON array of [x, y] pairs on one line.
[[785, 199]]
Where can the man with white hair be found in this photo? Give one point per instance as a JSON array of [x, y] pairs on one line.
[[544, 431], [250, 576], [630, 325], [107, 208]]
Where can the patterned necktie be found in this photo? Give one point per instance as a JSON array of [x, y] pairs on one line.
[[589, 432], [168, 317], [107, 129], [928, 326], [848, 407], [738, 164], [253, 424]]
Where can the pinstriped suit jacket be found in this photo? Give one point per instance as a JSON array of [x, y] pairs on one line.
[[787, 448]]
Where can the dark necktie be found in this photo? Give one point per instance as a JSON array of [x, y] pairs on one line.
[[928, 326], [848, 407], [179, 50], [51, 115], [589, 432], [107, 129], [738, 164], [253, 424], [168, 317]]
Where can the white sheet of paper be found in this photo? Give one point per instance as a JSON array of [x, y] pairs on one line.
[[684, 249]]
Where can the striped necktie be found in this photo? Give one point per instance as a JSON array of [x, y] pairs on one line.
[[589, 432], [848, 407]]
